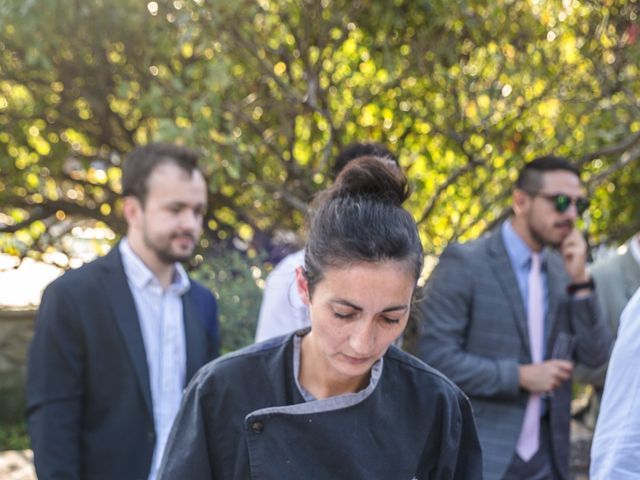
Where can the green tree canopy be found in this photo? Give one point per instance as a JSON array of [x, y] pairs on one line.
[[464, 91]]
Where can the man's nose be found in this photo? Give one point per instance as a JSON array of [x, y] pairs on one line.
[[572, 211], [190, 219]]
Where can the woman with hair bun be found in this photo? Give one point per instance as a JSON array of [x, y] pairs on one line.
[[338, 400]]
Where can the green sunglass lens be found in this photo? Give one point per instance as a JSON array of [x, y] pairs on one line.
[[562, 202], [582, 204]]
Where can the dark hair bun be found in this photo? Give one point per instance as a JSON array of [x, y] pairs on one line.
[[372, 177], [361, 219]]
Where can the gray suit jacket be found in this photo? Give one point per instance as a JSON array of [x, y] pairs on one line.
[[474, 329], [617, 278]]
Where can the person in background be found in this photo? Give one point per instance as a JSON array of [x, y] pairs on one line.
[[615, 451], [282, 311], [117, 340], [336, 400], [617, 277], [501, 317]]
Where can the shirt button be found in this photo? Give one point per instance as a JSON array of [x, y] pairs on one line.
[[257, 426], [151, 436]]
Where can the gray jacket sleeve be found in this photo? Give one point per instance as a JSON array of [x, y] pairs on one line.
[[592, 332], [446, 309], [611, 298]]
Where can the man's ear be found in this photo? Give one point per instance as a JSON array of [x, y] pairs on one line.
[[303, 286], [520, 201], [132, 210]]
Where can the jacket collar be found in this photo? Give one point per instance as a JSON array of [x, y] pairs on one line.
[[121, 300], [503, 270]]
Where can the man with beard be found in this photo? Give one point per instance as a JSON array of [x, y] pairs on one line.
[[505, 317], [118, 339]]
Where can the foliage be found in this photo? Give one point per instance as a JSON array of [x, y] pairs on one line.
[[14, 436], [464, 91], [235, 280]]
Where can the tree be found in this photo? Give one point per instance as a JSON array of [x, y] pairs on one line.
[[463, 91]]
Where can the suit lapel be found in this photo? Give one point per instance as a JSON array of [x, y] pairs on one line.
[[556, 284], [195, 335], [117, 290], [502, 269]]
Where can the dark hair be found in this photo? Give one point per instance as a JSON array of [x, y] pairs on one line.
[[530, 178], [357, 150], [361, 219], [142, 161]]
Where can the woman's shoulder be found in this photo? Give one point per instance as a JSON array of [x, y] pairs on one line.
[[403, 364], [251, 365]]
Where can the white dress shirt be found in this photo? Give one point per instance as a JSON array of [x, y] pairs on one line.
[[160, 313], [282, 310], [615, 453]]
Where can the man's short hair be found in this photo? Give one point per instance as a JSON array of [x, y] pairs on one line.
[[530, 178], [357, 150], [141, 162]]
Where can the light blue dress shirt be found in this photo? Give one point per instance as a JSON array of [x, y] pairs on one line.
[[520, 258], [160, 313], [615, 452]]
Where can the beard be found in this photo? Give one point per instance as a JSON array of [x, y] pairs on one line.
[[162, 247], [544, 240]]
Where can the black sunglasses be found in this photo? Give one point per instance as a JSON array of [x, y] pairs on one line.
[[562, 202]]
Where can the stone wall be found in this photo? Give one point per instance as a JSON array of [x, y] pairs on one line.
[[16, 329]]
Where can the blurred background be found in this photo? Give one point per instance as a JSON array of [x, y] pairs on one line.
[[464, 92]]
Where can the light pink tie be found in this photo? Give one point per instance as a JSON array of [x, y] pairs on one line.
[[530, 434]]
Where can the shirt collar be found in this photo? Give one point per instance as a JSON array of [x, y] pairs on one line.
[[519, 252], [141, 276]]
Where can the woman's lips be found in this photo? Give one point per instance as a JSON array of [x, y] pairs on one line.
[[357, 360]]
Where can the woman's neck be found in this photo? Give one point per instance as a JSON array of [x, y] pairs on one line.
[[319, 378]]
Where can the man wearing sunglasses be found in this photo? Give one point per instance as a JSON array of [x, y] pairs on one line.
[[506, 316]]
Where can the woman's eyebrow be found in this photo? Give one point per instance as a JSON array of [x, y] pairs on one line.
[[396, 308], [347, 303]]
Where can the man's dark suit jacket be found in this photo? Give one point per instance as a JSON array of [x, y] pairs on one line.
[[88, 391], [474, 330]]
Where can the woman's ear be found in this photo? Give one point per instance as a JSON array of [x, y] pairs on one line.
[[303, 286]]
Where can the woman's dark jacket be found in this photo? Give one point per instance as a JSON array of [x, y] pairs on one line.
[[243, 417]]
